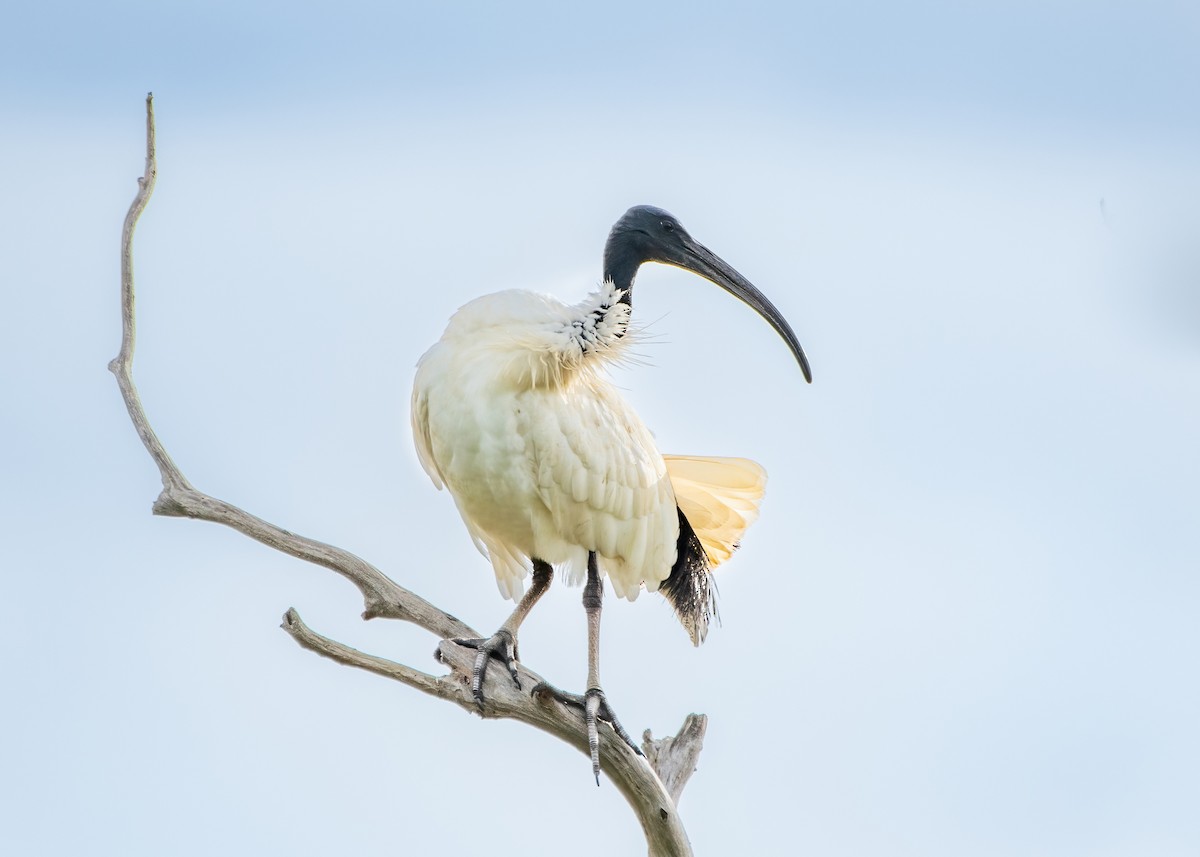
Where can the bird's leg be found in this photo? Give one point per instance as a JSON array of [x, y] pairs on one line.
[[593, 701], [503, 644]]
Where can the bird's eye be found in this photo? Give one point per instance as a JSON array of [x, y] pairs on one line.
[[667, 225]]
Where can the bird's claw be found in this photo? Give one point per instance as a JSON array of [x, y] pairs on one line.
[[501, 646], [595, 707]]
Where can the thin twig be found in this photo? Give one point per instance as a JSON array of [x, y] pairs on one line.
[[122, 364], [347, 656]]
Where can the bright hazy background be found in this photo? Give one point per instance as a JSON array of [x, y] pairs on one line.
[[967, 620]]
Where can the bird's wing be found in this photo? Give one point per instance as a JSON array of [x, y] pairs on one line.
[[421, 435], [604, 486], [719, 497]]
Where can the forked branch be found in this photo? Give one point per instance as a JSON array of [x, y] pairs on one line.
[[637, 779]]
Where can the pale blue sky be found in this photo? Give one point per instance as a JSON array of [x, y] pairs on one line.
[[966, 621]]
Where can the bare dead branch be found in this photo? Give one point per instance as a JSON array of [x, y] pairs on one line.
[[639, 781], [674, 758], [382, 597], [122, 364], [347, 656]]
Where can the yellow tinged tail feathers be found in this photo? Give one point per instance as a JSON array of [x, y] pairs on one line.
[[719, 497]]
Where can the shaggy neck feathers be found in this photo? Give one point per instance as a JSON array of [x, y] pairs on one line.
[[524, 339], [601, 320]]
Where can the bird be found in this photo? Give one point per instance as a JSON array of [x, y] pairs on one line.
[[550, 468]]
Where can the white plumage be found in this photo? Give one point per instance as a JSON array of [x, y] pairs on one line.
[[513, 413]]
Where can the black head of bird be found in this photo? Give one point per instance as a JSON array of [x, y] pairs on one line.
[[649, 234]]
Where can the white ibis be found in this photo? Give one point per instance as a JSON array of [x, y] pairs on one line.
[[551, 468]]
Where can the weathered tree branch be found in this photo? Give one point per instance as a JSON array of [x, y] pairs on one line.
[[674, 758], [671, 760]]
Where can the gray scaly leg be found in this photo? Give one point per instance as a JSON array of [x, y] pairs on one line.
[[503, 644], [593, 702]]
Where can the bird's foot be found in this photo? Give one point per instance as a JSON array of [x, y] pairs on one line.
[[501, 646], [595, 706]]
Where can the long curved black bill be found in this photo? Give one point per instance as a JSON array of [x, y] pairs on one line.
[[700, 260]]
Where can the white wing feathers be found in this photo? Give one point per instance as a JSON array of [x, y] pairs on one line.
[[421, 435], [604, 488], [512, 413], [719, 497]]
